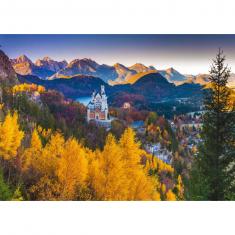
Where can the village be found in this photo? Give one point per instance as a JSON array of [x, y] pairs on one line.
[[185, 127]]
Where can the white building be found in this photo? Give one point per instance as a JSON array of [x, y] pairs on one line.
[[97, 108]]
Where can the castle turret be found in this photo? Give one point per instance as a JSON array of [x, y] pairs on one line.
[[102, 89]]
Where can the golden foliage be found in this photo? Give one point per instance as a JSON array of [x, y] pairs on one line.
[[141, 186], [108, 176], [32, 153], [170, 196], [10, 136], [180, 188], [66, 170], [72, 169], [25, 87]]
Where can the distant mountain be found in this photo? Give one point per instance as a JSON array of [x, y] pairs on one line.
[[23, 65], [42, 68], [48, 68], [197, 79], [7, 73], [49, 64], [202, 79], [173, 76], [231, 81], [140, 68], [116, 74], [123, 72], [134, 78], [87, 67]]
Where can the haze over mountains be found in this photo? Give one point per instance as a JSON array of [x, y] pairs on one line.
[[49, 69]]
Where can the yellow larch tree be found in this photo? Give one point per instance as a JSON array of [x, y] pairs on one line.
[[47, 187], [51, 154], [141, 186], [72, 169], [10, 136], [180, 188], [109, 177], [32, 154]]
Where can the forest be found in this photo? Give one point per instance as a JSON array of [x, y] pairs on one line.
[[49, 152]]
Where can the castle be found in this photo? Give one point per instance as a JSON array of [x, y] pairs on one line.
[[97, 108]]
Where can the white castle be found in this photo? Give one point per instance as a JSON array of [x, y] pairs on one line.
[[97, 108]]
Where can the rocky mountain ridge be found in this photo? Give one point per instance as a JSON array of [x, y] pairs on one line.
[[7, 73], [50, 69]]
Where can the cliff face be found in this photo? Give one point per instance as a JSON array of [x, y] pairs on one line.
[[7, 73]]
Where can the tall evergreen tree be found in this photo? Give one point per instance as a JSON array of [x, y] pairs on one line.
[[216, 161]]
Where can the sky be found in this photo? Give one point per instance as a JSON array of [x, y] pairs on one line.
[[189, 54]]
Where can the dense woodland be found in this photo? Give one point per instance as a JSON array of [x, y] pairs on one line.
[[49, 152]]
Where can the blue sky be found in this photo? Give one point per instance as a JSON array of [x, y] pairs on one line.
[[190, 54]]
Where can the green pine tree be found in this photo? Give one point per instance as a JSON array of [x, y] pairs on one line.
[[215, 164], [5, 192]]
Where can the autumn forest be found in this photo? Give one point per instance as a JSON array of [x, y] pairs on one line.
[[48, 151]]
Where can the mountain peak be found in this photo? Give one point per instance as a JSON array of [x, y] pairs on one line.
[[23, 58], [151, 67], [121, 66], [139, 68], [117, 64], [46, 58], [171, 70]]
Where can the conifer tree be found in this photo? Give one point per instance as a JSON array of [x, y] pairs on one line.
[[31, 154], [10, 136], [215, 164], [72, 169], [110, 181]]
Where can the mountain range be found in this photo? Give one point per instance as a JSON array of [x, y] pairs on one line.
[[43, 68], [49, 69]]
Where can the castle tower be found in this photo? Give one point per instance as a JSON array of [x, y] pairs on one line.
[[97, 109]]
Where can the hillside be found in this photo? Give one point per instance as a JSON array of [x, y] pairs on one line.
[[73, 87], [7, 73], [153, 86]]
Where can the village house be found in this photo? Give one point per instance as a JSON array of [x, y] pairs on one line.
[[126, 105]]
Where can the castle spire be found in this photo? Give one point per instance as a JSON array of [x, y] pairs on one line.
[[102, 90]]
